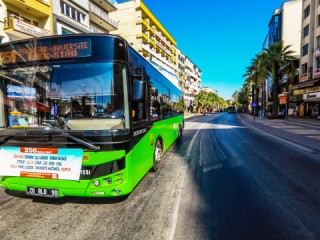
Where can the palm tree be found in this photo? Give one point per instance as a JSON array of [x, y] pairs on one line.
[[247, 90], [277, 55], [251, 79], [263, 72]]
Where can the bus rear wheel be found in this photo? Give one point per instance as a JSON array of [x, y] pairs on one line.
[[158, 152]]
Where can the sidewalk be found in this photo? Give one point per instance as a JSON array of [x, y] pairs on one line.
[[190, 115], [304, 132]]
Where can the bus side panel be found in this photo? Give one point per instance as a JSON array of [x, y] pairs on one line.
[[140, 159], [168, 129]]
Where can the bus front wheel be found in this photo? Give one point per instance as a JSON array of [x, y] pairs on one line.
[[179, 133], [158, 151]]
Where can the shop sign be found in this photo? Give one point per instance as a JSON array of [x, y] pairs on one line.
[[30, 29], [20, 91], [311, 95], [305, 84], [283, 100], [296, 98]]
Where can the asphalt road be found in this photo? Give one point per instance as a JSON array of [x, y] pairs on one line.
[[222, 181]]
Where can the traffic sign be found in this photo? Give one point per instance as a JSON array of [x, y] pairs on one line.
[[254, 104]]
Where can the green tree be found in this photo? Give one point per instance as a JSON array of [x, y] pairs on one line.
[[208, 100], [278, 55]]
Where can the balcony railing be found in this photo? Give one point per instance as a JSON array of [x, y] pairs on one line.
[[102, 14], [304, 76], [19, 25], [44, 1], [94, 29]]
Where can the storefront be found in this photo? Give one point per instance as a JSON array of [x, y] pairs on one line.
[[283, 101], [295, 104], [305, 97], [312, 104]]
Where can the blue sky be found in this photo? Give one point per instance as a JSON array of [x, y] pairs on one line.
[[220, 37]]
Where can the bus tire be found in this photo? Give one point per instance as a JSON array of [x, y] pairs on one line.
[[157, 154], [179, 133]]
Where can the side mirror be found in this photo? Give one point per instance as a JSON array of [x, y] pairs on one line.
[[138, 90]]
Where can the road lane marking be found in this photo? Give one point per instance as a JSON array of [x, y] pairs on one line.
[[172, 230], [219, 148], [296, 145]]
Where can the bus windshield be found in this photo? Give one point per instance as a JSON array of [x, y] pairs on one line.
[[73, 96]]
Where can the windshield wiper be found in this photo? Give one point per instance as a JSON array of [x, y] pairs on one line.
[[78, 140], [5, 138]]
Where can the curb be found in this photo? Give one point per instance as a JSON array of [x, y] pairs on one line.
[[270, 134]]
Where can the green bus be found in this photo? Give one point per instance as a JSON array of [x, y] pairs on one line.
[[82, 115]]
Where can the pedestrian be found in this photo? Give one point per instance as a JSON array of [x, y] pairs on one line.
[[284, 111], [260, 113]]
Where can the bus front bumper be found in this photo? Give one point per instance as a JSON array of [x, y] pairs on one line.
[[110, 186]]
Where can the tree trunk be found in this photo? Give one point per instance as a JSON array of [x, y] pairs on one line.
[[264, 96], [275, 89], [257, 94]]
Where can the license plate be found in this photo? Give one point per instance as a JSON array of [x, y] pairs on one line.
[[42, 192]]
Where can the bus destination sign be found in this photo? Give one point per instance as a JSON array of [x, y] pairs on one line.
[[45, 50]]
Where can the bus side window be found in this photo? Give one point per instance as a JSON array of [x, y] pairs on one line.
[[138, 104]]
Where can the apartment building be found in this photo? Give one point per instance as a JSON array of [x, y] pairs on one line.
[[83, 16], [192, 84], [307, 91], [180, 66], [37, 18], [24, 19], [284, 25], [145, 33]]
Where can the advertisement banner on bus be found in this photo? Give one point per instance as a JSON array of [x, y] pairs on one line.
[[49, 163]]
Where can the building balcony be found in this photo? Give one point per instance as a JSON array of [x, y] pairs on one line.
[[108, 5], [304, 76], [94, 29], [144, 23], [37, 8], [101, 18], [18, 29], [316, 73]]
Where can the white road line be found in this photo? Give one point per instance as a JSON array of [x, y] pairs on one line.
[[278, 138], [172, 230], [200, 163], [219, 148]]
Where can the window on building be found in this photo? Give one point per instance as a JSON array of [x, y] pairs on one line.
[[26, 20], [318, 42], [318, 63], [304, 68], [12, 14], [306, 11], [65, 31], [306, 31], [72, 12], [305, 49]]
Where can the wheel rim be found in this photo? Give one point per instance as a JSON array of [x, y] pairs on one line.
[[157, 152]]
